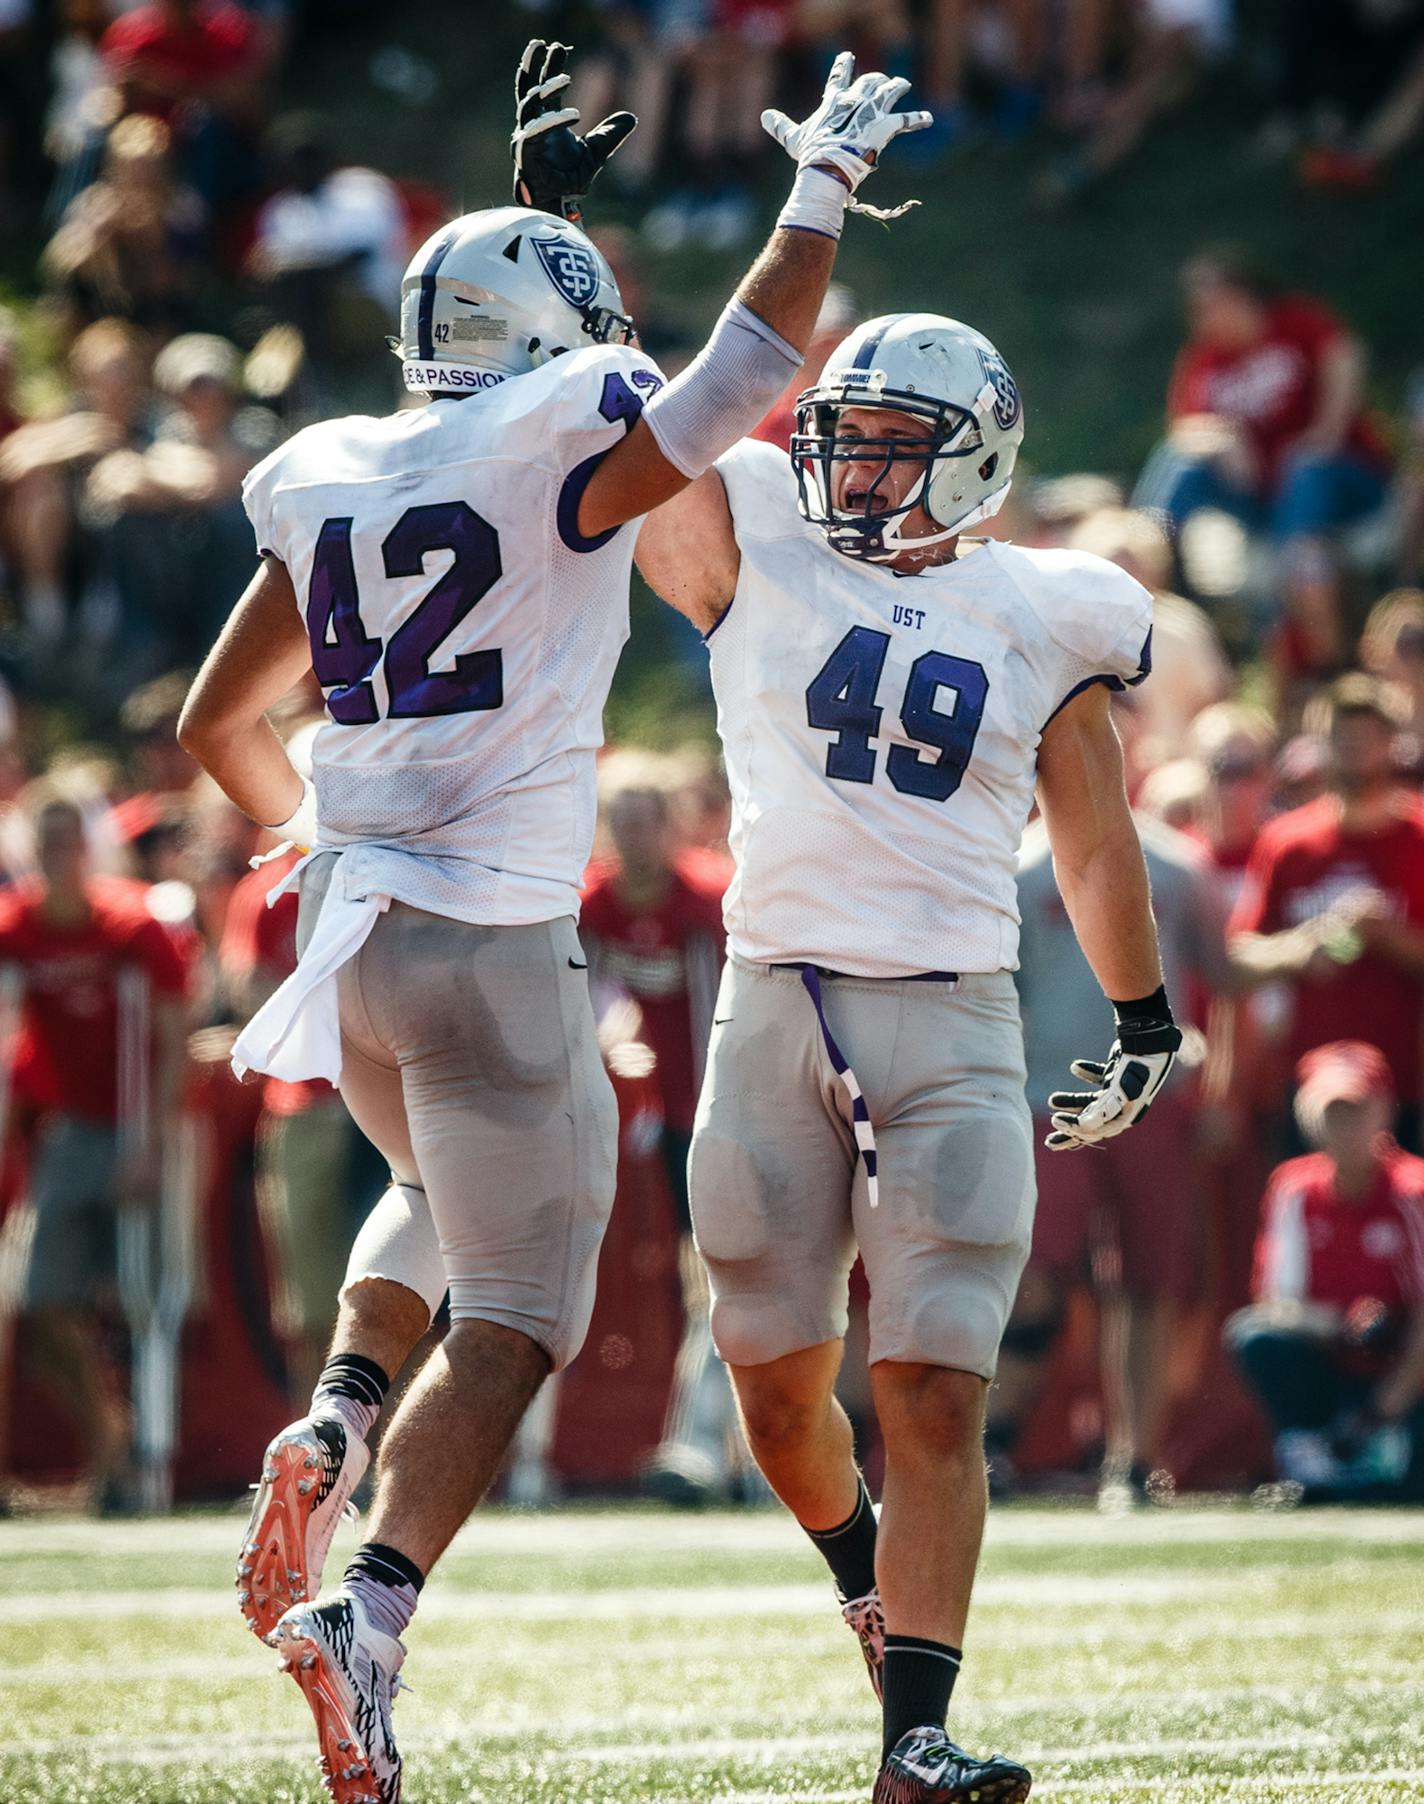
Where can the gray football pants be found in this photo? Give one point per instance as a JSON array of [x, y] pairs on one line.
[[470, 1060]]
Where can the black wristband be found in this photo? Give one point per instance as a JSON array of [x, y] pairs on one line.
[[1154, 1008]]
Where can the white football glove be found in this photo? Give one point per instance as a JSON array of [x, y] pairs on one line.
[[1135, 1071], [850, 128]]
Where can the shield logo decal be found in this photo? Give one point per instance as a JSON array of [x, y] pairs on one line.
[[570, 267], [1006, 393]]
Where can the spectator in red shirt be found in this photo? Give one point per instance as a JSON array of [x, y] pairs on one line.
[[1333, 1345], [1333, 900], [1266, 420], [165, 53], [652, 926], [197, 65], [88, 960]]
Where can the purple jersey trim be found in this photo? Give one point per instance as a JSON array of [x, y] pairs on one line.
[[1110, 682], [571, 495], [707, 636]]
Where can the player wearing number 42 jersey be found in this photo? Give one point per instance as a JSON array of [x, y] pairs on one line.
[[889, 694], [457, 578]]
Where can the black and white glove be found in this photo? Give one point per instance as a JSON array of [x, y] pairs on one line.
[[1136, 1069], [554, 167], [850, 128]]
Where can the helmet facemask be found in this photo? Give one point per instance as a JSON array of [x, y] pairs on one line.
[[818, 448], [606, 327]]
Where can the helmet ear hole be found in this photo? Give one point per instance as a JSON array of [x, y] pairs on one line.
[[988, 467]]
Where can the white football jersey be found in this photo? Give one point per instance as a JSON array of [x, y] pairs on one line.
[[463, 632], [881, 732]]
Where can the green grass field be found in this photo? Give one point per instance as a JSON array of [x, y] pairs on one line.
[[609, 1656]]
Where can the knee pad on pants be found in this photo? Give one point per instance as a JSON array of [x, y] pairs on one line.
[[753, 1326], [398, 1242]]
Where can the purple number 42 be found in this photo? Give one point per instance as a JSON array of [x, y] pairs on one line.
[[345, 655]]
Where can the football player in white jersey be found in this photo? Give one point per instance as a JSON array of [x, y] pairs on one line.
[[889, 693], [457, 577]]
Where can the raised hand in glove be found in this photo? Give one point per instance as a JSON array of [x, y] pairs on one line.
[[554, 167], [1136, 1069], [854, 123]]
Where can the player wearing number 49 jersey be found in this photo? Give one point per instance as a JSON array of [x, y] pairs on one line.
[[457, 578], [889, 693]]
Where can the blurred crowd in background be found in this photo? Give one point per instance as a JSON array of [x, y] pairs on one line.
[[1233, 1299]]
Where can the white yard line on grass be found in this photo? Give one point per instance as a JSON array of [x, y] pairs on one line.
[[164, 1748], [992, 1633], [250, 1668], [1045, 1591], [574, 1534], [723, 1747], [1308, 1784]]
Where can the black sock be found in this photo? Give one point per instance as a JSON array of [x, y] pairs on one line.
[[919, 1677], [387, 1584], [389, 1566], [352, 1387], [849, 1550]]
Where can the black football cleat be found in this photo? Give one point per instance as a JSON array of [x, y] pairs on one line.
[[925, 1767]]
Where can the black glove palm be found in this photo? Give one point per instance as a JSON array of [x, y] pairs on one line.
[[554, 167]]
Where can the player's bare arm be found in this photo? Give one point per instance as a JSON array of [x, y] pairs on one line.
[[1096, 855], [262, 651], [757, 344], [1102, 878], [637, 475], [687, 552]]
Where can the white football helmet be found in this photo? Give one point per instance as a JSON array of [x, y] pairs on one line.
[[497, 293], [934, 369]]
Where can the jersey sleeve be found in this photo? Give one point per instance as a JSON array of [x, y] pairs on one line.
[[599, 402], [1101, 620], [259, 495], [761, 490]]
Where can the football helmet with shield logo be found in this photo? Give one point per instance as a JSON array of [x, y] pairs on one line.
[[934, 369], [497, 293]]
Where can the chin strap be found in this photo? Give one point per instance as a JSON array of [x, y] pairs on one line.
[[893, 542]]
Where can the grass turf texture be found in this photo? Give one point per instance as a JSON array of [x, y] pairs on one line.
[[611, 1656]]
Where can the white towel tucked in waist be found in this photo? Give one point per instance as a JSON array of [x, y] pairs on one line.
[[296, 1034]]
